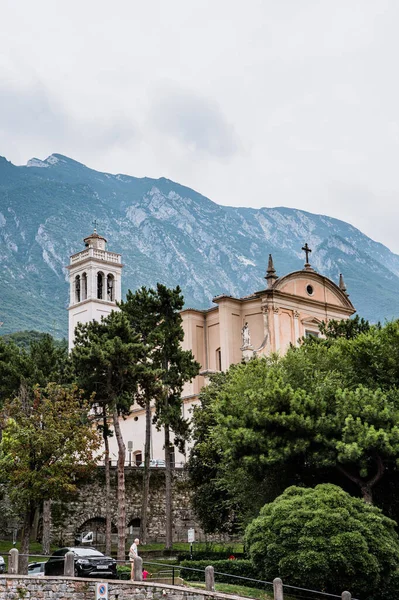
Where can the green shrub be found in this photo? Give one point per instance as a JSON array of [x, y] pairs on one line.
[[243, 568], [325, 539], [209, 555], [123, 572]]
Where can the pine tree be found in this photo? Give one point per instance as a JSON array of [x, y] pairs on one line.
[[108, 358], [155, 315]]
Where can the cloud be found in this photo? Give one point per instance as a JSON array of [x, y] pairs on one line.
[[193, 120], [32, 114], [30, 110]]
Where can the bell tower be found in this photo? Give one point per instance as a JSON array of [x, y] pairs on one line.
[[94, 283]]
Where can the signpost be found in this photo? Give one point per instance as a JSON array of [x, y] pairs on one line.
[[101, 591], [191, 539]]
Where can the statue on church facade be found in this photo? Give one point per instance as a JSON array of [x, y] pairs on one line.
[[246, 336]]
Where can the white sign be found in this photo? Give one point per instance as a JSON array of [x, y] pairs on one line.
[[101, 591], [191, 536]]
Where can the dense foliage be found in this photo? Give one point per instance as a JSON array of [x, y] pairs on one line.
[[326, 411], [44, 360], [47, 441], [324, 539], [25, 338]]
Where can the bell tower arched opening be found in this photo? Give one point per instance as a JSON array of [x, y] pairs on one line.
[[84, 286], [100, 285], [110, 287], [77, 288]]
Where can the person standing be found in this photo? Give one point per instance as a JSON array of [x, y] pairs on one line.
[[133, 553]]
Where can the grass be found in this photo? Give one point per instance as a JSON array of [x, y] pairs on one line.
[[237, 590], [34, 548]]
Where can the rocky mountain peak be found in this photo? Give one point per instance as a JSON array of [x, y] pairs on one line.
[[168, 233]]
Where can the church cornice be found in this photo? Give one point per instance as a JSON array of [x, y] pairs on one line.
[[282, 297], [202, 311], [94, 261], [92, 300]]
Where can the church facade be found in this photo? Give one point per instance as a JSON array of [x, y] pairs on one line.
[[234, 329]]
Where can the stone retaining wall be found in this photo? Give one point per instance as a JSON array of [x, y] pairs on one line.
[[75, 514], [17, 587]]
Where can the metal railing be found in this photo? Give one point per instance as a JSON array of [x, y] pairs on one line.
[[173, 572], [130, 463], [96, 253]]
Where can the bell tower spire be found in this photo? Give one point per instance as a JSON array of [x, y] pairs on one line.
[[94, 282]]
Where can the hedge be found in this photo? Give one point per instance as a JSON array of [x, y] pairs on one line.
[[243, 568], [214, 555]]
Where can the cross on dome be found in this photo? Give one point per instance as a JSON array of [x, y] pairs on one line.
[[307, 251]]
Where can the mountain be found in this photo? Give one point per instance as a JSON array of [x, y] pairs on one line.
[[168, 233]]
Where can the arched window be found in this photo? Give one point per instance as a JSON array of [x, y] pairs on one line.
[[84, 286], [77, 288], [110, 287], [100, 285]]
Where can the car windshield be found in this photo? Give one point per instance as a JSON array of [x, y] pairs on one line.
[[87, 552]]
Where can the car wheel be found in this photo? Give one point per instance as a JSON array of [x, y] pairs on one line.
[[76, 572]]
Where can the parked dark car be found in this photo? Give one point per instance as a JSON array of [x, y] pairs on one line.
[[89, 562]]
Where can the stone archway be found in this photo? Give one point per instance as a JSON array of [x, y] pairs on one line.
[[133, 529], [96, 525]]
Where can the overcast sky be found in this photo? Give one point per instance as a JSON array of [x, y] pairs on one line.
[[250, 102]]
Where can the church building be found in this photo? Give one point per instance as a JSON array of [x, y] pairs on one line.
[[234, 329], [287, 309]]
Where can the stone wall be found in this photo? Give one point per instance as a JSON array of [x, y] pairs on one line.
[[75, 514], [17, 587]]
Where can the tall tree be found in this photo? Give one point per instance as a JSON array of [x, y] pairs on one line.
[[108, 358], [141, 310], [15, 369], [44, 360], [50, 361], [163, 333], [46, 444]]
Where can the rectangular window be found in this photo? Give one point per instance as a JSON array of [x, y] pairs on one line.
[[309, 333]]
